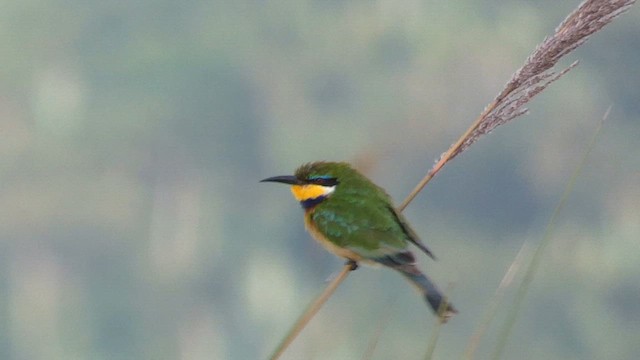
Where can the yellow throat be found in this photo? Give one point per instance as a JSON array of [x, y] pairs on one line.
[[310, 191]]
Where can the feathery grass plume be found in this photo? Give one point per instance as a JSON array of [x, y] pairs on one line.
[[533, 77]]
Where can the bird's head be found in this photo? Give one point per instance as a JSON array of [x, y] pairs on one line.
[[315, 182]]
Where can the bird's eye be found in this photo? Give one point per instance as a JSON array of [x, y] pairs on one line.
[[324, 181]]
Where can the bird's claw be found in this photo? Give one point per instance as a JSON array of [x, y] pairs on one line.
[[352, 264]]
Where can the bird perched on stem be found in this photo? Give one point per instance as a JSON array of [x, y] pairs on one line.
[[355, 219]]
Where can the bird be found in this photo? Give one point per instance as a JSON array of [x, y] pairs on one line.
[[355, 219]]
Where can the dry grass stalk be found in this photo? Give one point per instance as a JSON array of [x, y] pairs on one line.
[[534, 76], [494, 306], [534, 264], [312, 310]]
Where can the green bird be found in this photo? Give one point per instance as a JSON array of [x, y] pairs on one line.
[[355, 219]]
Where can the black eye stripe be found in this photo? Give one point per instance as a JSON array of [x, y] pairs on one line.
[[324, 181]]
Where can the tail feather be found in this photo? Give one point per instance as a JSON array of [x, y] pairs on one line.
[[438, 302], [404, 262]]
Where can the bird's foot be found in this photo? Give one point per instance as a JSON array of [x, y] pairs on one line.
[[352, 264], [446, 311]]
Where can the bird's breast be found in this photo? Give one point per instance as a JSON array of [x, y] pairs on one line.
[[326, 242]]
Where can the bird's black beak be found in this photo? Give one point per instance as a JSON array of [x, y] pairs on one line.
[[285, 179]]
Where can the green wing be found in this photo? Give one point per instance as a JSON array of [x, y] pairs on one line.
[[411, 235], [370, 230]]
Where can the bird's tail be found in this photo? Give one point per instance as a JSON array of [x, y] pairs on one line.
[[438, 302]]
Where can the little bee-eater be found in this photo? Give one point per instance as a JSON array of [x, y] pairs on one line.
[[355, 219]]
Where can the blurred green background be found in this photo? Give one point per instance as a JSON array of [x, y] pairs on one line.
[[134, 134]]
